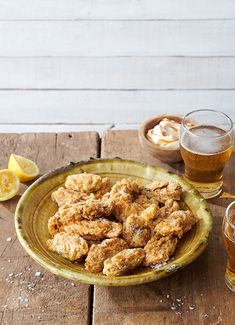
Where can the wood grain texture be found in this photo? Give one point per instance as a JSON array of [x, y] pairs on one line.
[[24, 297], [108, 73], [95, 107], [200, 286], [132, 38], [117, 9]]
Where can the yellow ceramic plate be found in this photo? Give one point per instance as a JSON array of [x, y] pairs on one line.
[[35, 207]]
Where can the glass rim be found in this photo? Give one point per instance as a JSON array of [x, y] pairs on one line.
[[183, 124], [227, 214]]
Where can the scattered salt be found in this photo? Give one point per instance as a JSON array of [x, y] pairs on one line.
[[192, 307], [8, 239], [168, 296], [10, 274], [72, 284], [173, 307], [37, 273]]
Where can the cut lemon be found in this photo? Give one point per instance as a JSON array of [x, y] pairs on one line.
[[24, 168], [9, 184]]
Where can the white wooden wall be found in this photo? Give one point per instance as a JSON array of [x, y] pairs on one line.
[[78, 64]]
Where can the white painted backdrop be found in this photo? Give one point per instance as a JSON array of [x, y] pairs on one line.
[[96, 64]]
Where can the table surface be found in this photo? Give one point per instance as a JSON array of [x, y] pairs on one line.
[[31, 295]]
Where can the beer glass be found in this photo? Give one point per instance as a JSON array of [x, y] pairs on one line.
[[228, 232], [206, 143]]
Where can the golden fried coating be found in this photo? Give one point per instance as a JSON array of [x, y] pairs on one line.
[[71, 246], [88, 183], [123, 262], [159, 249], [98, 253], [169, 207], [178, 223], [135, 232], [64, 196], [150, 215], [95, 229], [126, 186], [69, 214], [123, 207], [165, 190]]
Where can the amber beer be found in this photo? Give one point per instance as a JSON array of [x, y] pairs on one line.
[[205, 150], [228, 233]]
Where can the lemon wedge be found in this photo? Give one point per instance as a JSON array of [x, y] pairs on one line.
[[24, 168], [9, 184]]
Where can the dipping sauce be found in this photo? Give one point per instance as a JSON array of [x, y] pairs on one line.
[[165, 134]]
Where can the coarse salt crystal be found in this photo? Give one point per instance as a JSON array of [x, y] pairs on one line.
[[173, 307], [10, 274], [192, 307], [8, 239], [37, 273], [168, 296]]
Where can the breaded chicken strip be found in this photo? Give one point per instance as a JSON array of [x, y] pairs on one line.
[[123, 207], [178, 223], [88, 183], [64, 196], [71, 246], [164, 191], [98, 253], [95, 229], [159, 249], [123, 262], [68, 214]]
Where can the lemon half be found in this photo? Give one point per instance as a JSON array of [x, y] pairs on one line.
[[24, 168], [9, 184]]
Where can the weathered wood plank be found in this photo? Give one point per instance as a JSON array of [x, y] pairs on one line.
[[117, 9], [200, 286], [117, 73], [106, 107], [26, 298], [132, 38]]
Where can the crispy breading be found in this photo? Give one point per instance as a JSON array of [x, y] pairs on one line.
[[71, 246], [159, 249], [164, 191], [64, 196], [69, 214], [126, 186], [88, 183], [123, 262], [95, 229], [123, 207], [98, 253], [177, 223], [135, 232], [169, 207]]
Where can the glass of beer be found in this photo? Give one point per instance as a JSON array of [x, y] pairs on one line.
[[228, 232], [206, 143]]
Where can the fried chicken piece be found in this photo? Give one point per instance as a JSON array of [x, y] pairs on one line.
[[124, 261], [98, 253], [64, 196], [88, 183], [71, 246], [159, 249], [178, 223], [69, 214], [150, 215], [95, 229], [126, 186], [164, 191], [135, 232], [123, 207], [169, 207], [54, 225]]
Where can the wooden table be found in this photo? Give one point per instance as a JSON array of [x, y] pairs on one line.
[[31, 295]]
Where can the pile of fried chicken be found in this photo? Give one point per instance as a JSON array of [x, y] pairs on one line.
[[117, 229]]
